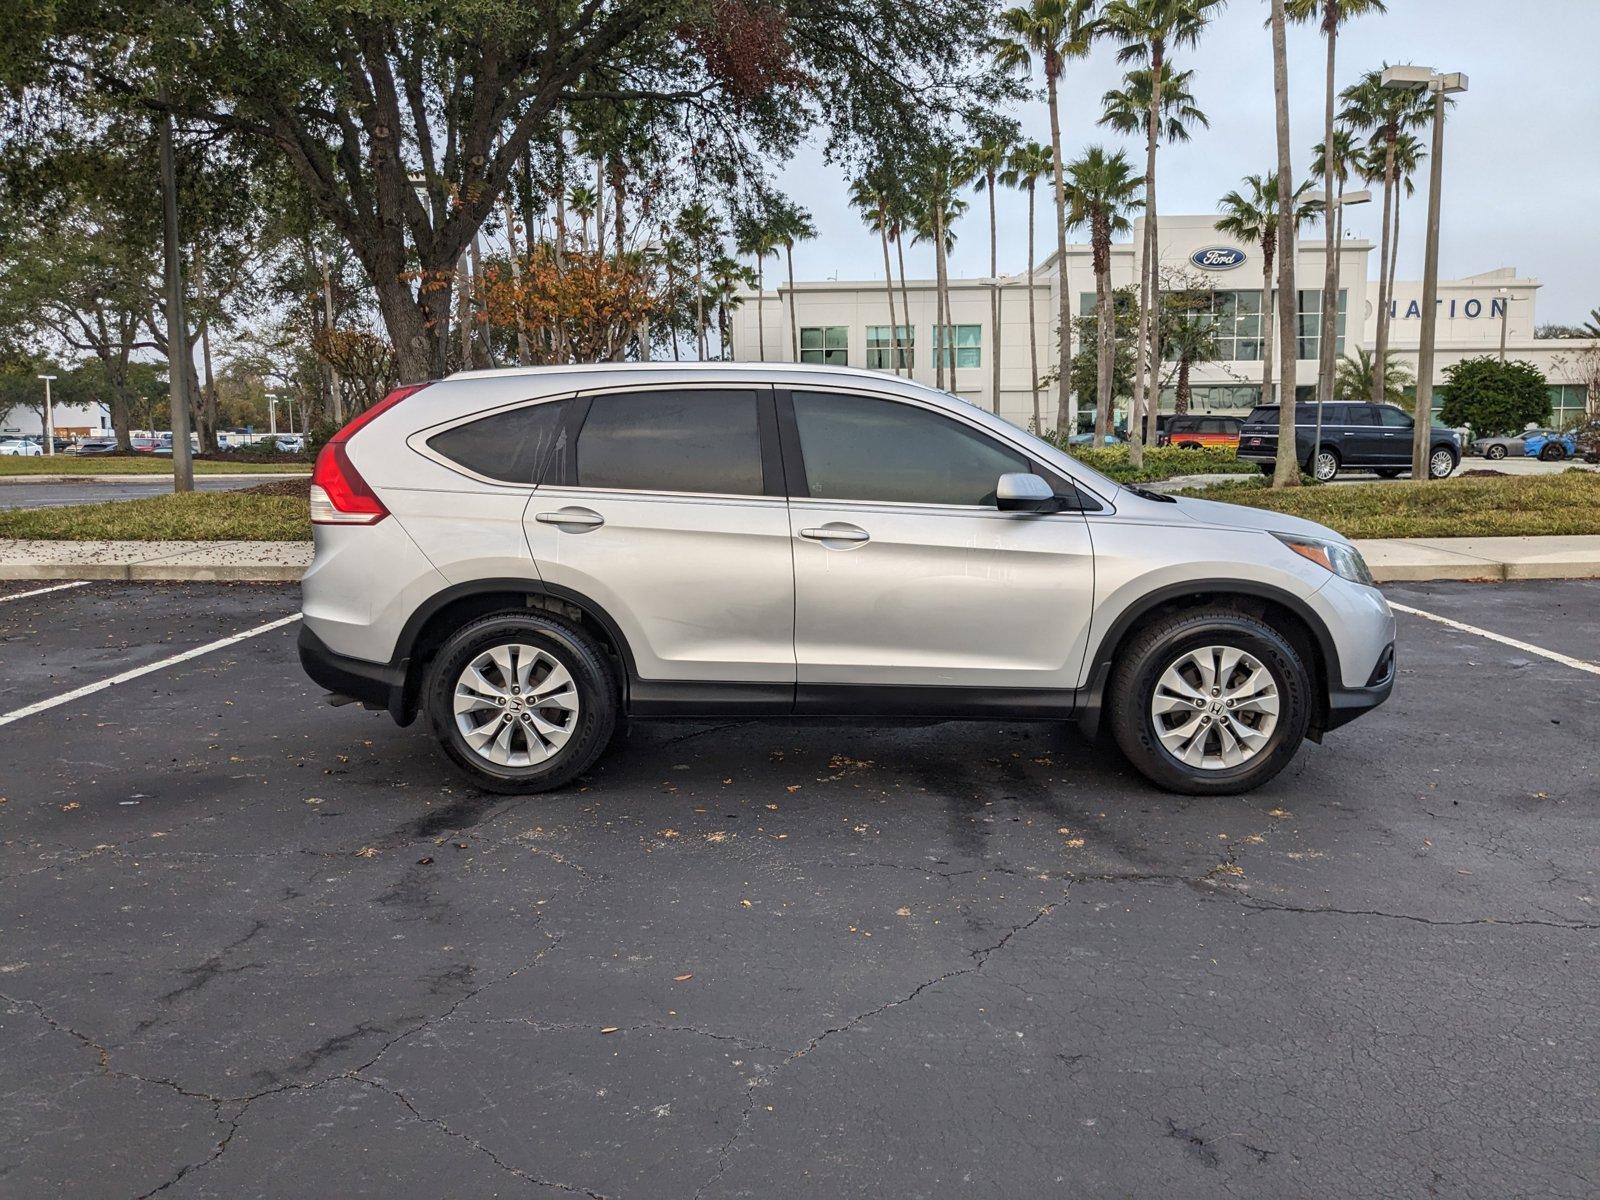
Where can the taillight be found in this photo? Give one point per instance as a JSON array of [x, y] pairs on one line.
[[339, 495]]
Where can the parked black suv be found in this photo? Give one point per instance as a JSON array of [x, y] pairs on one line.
[[1370, 437]]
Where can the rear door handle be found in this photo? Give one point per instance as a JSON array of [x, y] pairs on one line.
[[836, 533], [574, 519]]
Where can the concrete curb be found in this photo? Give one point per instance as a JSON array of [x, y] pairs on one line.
[[152, 477], [1393, 560], [172, 562]]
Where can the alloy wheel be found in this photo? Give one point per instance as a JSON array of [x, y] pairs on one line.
[[1441, 464], [1327, 465], [516, 705], [1215, 707]]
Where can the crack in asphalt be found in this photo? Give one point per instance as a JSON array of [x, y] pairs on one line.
[[979, 957], [477, 1145]]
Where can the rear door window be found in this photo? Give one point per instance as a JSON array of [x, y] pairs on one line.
[[672, 440], [514, 446], [1363, 415]]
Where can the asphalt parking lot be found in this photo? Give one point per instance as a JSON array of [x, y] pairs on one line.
[[254, 946], [23, 493]]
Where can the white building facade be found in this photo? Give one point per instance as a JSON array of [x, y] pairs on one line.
[[846, 323]]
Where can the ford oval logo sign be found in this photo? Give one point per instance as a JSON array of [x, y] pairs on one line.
[[1217, 258]]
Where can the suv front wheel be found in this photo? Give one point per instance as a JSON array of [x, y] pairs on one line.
[[521, 701], [1441, 463], [1209, 702]]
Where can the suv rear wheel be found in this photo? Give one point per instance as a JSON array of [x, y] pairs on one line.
[[1441, 463], [1209, 702], [1326, 465], [522, 702]]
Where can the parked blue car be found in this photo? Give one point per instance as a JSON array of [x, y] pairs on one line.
[[1551, 445]]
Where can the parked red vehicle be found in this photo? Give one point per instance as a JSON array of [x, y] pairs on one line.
[[1190, 432]]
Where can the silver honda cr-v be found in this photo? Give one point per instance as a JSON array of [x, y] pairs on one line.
[[529, 556]]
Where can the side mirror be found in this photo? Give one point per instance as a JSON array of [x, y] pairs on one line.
[[1019, 491]]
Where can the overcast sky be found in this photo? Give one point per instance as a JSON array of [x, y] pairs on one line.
[[1522, 148]]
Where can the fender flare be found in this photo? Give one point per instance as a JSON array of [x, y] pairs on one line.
[[1103, 653]]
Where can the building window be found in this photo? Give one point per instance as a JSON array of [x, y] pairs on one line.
[[881, 347], [1236, 320], [1310, 339], [1569, 402], [958, 345], [826, 344]]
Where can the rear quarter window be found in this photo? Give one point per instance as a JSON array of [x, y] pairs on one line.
[[514, 446]]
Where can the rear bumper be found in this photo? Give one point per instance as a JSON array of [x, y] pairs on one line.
[[376, 685]]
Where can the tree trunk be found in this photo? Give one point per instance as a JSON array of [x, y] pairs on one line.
[[794, 319], [941, 328], [1137, 419], [177, 322], [1066, 402], [1180, 399], [407, 323], [208, 396], [699, 307], [1153, 229], [761, 306], [1033, 324], [1331, 215], [1269, 320], [994, 299], [888, 286], [1106, 348], [524, 358], [1287, 470], [335, 388], [905, 302], [1380, 348]]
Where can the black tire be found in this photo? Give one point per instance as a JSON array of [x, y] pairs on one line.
[[1388, 472], [1495, 453], [1338, 462], [594, 681], [1151, 650], [1188, 445], [1552, 452], [1268, 469]]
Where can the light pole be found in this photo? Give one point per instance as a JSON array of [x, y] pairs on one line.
[[1333, 210], [1505, 317], [49, 418], [1439, 85]]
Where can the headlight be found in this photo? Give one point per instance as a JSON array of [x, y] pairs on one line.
[[1342, 559]]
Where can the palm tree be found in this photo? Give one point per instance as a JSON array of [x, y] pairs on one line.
[[1386, 113], [1190, 338], [700, 228], [869, 195], [1330, 14], [582, 200], [1337, 166], [1357, 379], [937, 210], [1028, 164], [1054, 32], [1253, 218], [1148, 29], [984, 163], [1409, 152], [1103, 188], [791, 224], [726, 276], [754, 236]]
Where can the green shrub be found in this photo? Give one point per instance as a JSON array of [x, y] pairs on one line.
[[1161, 462], [1494, 397]]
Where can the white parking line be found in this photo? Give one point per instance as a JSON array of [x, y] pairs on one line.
[[90, 689], [60, 587], [1576, 663]]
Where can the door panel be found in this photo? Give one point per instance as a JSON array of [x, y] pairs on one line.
[[940, 596], [702, 587], [906, 574]]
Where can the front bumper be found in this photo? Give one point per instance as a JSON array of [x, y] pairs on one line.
[[1345, 704], [376, 685]]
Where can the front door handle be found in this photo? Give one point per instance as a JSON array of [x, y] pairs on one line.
[[572, 520], [836, 533]]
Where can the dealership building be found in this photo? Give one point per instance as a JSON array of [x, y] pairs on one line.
[[846, 323]]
